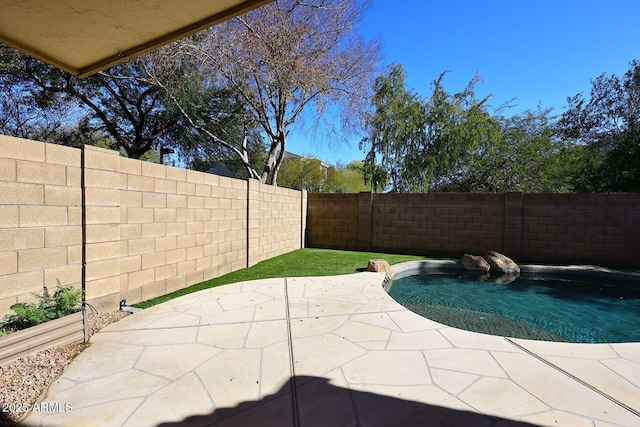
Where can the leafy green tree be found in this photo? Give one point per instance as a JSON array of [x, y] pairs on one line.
[[374, 174], [396, 130], [122, 108], [526, 157], [119, 102], [21, 117], [346, 179], [608, 124], [351, 178], [458, 124], [315, 176], [302, 173], [421, 143]]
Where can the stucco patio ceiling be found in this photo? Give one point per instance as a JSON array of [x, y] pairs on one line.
[[83, 37]]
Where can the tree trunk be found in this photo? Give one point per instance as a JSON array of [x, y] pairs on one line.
[[270, 164], [282, 139]]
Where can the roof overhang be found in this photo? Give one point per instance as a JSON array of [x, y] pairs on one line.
[[83, 37]]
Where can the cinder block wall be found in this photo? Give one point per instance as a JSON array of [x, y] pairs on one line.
[[154, 229], [151, 229], [40, 219], [332, 221], [276, 221], [601, 229], [583, 228], [437, 224]]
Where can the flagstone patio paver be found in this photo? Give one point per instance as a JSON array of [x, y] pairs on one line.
[[332, 351]]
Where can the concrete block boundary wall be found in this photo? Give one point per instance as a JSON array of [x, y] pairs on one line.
[[596, 229], [150, 229]]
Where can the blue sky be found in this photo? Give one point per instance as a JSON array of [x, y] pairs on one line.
[[539, 52]]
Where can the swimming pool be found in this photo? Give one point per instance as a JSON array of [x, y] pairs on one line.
[[560, 307]]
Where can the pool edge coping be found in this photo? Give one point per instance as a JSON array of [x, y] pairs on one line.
[[410, 266]]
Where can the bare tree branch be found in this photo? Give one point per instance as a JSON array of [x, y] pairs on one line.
[[288, 57]]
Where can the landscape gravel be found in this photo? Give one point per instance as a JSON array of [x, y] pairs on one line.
[[23, 381]]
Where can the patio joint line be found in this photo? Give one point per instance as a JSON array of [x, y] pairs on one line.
[[292, 369], [573, 377], [161, 328], [349, 314]]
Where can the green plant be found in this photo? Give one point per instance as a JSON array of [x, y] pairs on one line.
[[65, 300]]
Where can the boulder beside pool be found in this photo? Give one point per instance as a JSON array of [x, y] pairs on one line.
[[499, 262], [381, 265], [474, 262]]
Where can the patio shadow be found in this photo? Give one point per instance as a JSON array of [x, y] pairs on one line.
[[323, 404]]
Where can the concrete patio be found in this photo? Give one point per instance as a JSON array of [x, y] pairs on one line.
[[332, 351]]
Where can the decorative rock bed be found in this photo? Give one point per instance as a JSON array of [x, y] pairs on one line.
[[26, 378]]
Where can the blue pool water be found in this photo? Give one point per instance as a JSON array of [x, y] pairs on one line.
[[552, 309]]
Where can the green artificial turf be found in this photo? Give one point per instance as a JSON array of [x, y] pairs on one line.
[[303, 262]]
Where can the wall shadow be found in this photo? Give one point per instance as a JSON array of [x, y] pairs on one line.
[[322, 404]]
